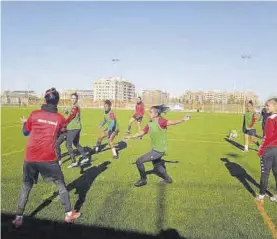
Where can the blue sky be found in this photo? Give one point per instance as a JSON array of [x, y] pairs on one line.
[[171, 46]]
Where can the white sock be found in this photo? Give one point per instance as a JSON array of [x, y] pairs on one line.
[[246, 147], [114, 151], [96, 149]]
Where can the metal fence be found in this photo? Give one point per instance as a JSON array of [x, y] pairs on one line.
[[88, 103]]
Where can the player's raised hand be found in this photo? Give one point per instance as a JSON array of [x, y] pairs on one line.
[[23, 119], [65, 110]]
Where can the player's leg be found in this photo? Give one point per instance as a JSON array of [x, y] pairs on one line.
[[159, 168], [59, 141], [246, 142], [69, 142], [266, 165], [111, 138], [139, 125], [30, 176], [254, 138], [152, 155], [274, 170], [76, 143], [131, 121], [99, 141], [51, 172]]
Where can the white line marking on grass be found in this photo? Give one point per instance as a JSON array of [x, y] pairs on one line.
[[185, 140], [196, 133], [13, 152], [198, 141], [10, 126], [180, 140]]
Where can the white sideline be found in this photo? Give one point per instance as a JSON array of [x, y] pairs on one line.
[[13, 152], [180, 140]]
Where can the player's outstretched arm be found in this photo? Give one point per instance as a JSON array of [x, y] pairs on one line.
[[102, 123], [137, 135], [175, 122]]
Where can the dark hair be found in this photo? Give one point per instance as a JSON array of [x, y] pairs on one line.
[[108, 102], [139, 97], [52, 96], [250, 102], [75, 94], [161, 109], [274, 100]]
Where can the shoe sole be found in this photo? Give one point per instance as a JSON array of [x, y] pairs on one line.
[[73, 219], [86, 162]]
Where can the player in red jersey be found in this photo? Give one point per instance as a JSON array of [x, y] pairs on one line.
[[268, 150], [137, 116], [42, 127]]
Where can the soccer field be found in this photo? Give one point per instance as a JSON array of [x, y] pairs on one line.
[[209, 198]]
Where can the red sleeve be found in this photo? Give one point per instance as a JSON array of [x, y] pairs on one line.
[[112, 116], [269, 136], [163, 123], [28, 124], [253, 121], [146, 129], [73, 114], [142, 110]]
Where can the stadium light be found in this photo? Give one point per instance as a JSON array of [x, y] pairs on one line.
[[115, 60]]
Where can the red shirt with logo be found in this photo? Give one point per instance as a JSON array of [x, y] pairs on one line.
[[270, 138], [43, 128]]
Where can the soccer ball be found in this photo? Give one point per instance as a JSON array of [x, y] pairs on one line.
[[233, 134]]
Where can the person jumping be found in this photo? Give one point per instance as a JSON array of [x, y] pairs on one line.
[[157, 128]]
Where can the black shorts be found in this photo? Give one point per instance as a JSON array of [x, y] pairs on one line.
[[138, 118], [111, 132], [250, 132], [50, 171]]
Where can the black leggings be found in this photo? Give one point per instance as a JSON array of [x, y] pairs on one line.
[[71, 137], [156, 159], [268, 162], [50, 172]]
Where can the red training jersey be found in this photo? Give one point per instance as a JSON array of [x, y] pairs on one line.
[[162, 124], [270, 138], [139, 110], [43, 127], [74, 111]]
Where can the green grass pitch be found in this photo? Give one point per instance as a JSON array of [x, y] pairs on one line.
[[204, 201]]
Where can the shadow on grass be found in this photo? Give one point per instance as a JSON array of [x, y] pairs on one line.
[[244, 178], [119, 146], [81, 185], [233, 155], [91, 151], [42, 229], [237, 145]]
